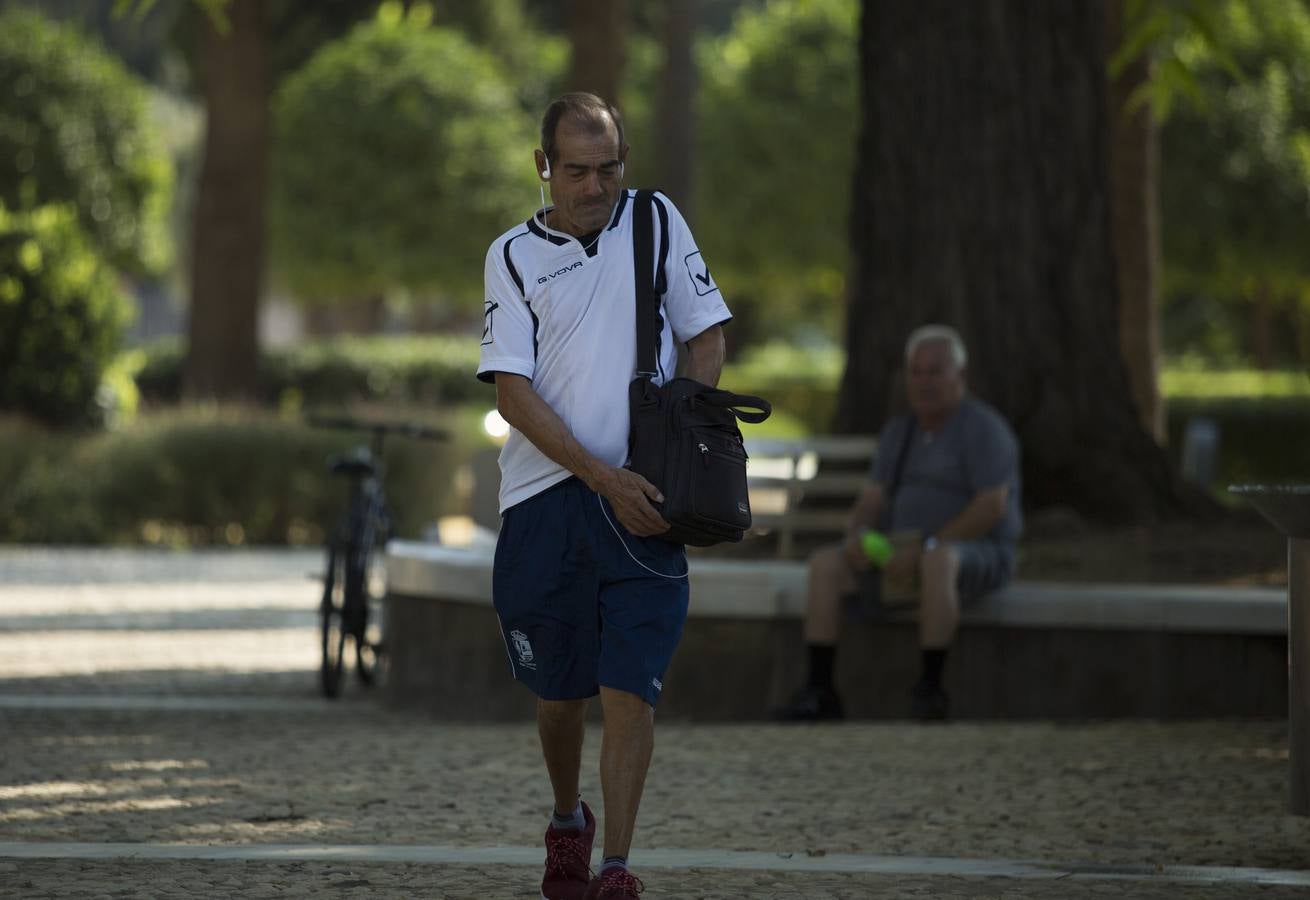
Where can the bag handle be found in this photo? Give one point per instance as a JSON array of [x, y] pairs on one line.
[[737, 404]]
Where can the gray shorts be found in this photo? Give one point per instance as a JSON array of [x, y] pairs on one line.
[[985, 566]]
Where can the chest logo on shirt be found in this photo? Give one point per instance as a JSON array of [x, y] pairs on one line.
[[564, 271], [487, 311], [699, 273]]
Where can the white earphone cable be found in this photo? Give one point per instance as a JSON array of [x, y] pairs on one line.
[[601, 501]]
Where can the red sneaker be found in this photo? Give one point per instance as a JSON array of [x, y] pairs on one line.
[[615, 884], [568, 860]]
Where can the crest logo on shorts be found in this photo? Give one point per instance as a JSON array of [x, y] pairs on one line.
[[523, 648], [655, 683]]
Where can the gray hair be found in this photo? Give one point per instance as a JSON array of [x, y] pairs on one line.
[[946, 333]]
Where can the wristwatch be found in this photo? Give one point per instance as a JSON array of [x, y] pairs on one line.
[[930, 543]]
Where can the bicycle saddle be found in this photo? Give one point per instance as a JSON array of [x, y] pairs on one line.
[[357, 463]]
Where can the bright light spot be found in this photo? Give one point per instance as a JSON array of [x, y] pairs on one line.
[[494, 425], [807, 466], [155, 765]]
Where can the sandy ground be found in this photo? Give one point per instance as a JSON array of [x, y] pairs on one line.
[[279, 766]]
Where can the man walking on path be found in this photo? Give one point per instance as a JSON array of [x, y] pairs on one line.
[[590, 599]]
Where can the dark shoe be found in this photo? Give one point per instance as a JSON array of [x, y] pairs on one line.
[[812, 704], [568, 860], [928, 702], [616, 884]]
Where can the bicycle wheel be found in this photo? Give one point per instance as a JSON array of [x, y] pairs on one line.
[[368, 636], [331, 615]]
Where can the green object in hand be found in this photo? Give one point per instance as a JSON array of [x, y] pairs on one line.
[[876, 547]]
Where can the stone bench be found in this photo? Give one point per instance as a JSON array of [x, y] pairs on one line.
[[1034, 650], [802, 489]]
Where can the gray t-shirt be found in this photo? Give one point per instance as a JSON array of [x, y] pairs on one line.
[[974, 451]]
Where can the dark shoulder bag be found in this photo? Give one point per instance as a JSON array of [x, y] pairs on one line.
[[683, 435]]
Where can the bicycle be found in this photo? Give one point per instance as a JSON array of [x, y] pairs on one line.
[[353, 549]]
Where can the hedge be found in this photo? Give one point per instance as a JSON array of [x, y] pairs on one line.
[[200, 476], [1263, 434], [426, 370]]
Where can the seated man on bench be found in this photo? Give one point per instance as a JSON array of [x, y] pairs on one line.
[[947, 473]]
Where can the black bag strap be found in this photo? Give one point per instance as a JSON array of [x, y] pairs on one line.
[[643, 260], [900, 463], [884, 515]]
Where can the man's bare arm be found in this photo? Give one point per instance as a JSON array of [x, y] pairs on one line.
[[522, 407], [705, 354], [979, 517], [864, 514]]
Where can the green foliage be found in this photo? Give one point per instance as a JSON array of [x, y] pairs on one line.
[[800, 383], [200, 476], [399, 150], [61, 317], [1242, 162], [533, 60], [1188, 381], [1170, 31], [431, 371], [777, 128], [74, 129], [1235, 179]]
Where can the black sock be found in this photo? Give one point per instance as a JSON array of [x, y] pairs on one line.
[[933, 662], [821, 661], [614, 862]]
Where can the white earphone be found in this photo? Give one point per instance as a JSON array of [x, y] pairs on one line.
[[545, 170]]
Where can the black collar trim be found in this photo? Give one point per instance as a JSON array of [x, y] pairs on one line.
[[535, 227], [618, 211]]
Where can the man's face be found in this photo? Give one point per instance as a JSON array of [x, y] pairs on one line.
[[935, 384], [586, 177]]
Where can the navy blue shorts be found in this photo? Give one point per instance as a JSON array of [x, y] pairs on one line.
[[583, 603]]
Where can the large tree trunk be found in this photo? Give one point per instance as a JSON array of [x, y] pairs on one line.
[[597, 29], [982, 200], [228, 233], [677, 111], [1135, 227]]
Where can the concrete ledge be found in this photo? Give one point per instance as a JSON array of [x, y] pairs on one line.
[[772, 589], [1034, 650]]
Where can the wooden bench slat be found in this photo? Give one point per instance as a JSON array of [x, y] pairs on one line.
[[806, 485]]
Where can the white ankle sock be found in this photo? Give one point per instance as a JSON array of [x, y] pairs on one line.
[[576, 820]]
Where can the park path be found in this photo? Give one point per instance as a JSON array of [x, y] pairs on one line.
[[162, 738]]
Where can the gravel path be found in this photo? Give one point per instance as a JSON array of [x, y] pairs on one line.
[[159, 762]]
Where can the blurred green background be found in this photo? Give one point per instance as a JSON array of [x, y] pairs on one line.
[[386, 143]]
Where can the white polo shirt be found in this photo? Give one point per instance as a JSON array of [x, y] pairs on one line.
[[564, 316]]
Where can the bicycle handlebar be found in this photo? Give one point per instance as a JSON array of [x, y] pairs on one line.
[[406, 429]]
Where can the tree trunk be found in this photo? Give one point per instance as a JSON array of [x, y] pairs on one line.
[[597, 29], [982, 200], [1135, 227], [677, 112], [228, 232]]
